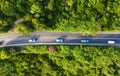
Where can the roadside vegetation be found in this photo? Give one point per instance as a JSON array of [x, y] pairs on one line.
[[63, 61], [86, 16]]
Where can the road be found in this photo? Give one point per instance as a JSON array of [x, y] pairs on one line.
[[49, 38]]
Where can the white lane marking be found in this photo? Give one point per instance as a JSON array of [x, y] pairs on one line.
[[59, 44]]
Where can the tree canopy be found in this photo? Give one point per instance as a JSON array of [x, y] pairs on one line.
[[64, 61], [86, 16]]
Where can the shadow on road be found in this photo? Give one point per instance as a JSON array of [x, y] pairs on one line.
[[22, 39], [64, 36], [78, 38]]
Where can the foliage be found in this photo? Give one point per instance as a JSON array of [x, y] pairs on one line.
[[7, 8], [88, 17], [64, 61], [7, 68], [25, 28]]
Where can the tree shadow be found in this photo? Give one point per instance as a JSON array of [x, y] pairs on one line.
[[23, 39]]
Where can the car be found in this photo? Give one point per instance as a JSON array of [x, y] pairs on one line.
[[1, 42], [59, 40], [111, 42], [85, 41], [32, 40]]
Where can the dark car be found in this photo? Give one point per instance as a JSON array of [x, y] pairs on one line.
[[1, 42]]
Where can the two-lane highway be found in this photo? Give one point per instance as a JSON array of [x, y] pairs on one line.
[[49, 38]]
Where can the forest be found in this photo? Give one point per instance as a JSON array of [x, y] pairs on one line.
[[63, 61], [86, 16]]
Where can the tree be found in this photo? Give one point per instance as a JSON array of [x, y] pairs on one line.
[[37, 24], [50, 5], [3, 54], [7, 68], [7, 8], [24, 28], [36, 9]]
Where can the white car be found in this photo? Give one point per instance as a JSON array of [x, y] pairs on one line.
[[32, 40], [111, 42], [59, 40]]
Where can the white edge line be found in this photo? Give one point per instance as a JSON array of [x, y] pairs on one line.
[[102, 44]]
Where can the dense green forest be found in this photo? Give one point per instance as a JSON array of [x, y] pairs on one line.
[[64, 61], [86, 16]]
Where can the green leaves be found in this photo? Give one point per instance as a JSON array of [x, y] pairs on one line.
[[50, 5], [66, 60], [70, 3], [35, 8], [24, 28], [7, 8], [83, 16], [6, 68]]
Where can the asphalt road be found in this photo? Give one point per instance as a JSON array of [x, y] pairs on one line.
[[48, 38]]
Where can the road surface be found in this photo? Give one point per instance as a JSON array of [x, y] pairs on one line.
[[49, 38]]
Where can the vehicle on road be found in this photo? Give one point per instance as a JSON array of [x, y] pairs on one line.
[[85, 41], [59, 40], [1, 42], [32, 40], [111, 42]]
